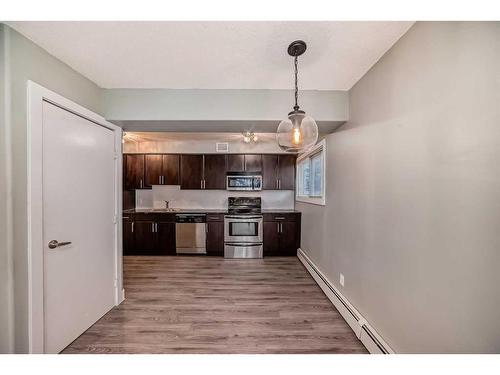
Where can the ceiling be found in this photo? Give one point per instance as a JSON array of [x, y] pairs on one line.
[[216, 55]]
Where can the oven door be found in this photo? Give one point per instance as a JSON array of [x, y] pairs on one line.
[[243, 228]]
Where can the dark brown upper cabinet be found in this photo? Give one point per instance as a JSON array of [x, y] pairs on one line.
[[214, 171], [171, 170], [244, 163], [253, 163], [236, 163], [161, 170], [197, 171], [269, 172], [133, 174], [191, 171], [153, 168], [286, 172], [278, 172]]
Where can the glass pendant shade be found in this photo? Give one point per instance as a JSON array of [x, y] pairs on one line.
[[297, 133]]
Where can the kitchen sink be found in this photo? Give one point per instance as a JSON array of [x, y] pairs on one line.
[[165, 210]]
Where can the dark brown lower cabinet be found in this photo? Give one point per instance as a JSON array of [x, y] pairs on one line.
[[166, 237], [281, 235], [271, 238], [215, 238], [154, 236], [144, 238], [128, 237]]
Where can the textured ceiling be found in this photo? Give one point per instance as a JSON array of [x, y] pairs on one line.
[[216, 55]]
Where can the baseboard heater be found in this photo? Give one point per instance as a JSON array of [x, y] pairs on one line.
[[365, 333]]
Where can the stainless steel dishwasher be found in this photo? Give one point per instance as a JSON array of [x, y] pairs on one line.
[[190, 233]]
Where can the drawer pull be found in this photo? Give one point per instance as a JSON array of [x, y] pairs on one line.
[[279, 218]]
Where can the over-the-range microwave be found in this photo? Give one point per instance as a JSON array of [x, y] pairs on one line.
[[243, 181]]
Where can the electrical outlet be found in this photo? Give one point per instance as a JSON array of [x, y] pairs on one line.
[[341, 279]]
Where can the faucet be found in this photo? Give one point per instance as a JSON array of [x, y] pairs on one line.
[[166, 204]]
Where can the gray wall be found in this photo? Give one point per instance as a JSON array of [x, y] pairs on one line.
[[26, 61], [220, 105], [220, 110], [6, 281], [413, 192]]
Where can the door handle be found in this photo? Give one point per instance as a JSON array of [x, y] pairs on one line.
[[54, 243]]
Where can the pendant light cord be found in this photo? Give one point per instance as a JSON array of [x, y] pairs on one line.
[[296, 63]]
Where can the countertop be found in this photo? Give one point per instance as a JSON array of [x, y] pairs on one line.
[[199, 211]]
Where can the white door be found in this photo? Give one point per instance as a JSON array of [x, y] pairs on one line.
[[78, 207]]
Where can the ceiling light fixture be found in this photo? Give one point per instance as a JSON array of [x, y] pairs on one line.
[[250, 137], [298, 132]]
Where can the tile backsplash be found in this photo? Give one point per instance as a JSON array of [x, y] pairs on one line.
[[209, 199]]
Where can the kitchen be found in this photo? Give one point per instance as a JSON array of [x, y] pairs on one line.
[[311, 187], [193, 204]]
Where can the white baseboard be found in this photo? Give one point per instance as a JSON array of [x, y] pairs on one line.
[[369, 337]]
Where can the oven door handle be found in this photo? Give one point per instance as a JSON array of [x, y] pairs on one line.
[[243, 244], [248, 218]]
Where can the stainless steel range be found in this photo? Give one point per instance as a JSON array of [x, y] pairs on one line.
[[243, 228]]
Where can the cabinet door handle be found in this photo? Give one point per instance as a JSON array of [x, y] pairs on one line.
[[279, 184], [156, 227], [278, 224], [206, 227], [201, 184], [140, 184], [132, 227], [276, 184], [153, 227], [279, 218], [163, 180], [281, 227]]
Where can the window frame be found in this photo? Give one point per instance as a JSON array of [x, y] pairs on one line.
[[317, 200]]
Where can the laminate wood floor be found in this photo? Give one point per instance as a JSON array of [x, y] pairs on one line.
[[211, 305]]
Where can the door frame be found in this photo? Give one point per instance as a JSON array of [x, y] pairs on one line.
[[36, 96]]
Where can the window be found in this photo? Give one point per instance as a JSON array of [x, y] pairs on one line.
[[311, 175]]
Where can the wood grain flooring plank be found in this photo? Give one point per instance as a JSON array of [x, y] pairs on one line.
[[212, 305]]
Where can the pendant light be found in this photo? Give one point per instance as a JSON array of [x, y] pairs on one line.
[[298, 132]]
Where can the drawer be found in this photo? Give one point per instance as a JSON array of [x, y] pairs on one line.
[[215, 217], [294, 216]]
